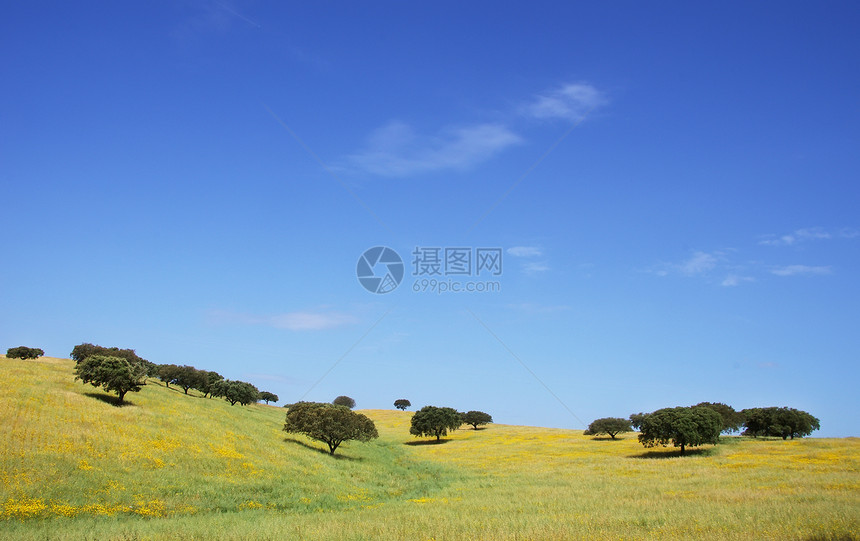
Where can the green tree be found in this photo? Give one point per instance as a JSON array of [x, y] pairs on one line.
[[402, 404], [329, 423], [779, 422], [240, 392], [344, 401], [608, 425], [732, 420], [169, 373], [433, 421], [476, 418], [189, 377], [113, 374], [24, 353], [213, 379], [636, 420], [268, 397], [683, 427], [82, 351]]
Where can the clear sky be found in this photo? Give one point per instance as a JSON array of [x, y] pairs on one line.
[[673, 188]]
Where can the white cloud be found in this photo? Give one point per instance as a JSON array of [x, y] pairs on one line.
[[699, 263], [525, 251], [795, 270], [569, 102], [533, 267], [806, 234], [734, 280], [293, 321], [395, 150]]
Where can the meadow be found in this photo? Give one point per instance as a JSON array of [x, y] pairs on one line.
[[171, 466]]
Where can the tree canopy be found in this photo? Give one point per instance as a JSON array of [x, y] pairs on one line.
[[344, 401], [779, 422], [683, 427], [434, 421], [402, 404], [608, 425], [329, 423], [636, 420], [234, 392], [24, 353], [146, 368], [476, 418], [267, 397], [732, 420], [113, 374]]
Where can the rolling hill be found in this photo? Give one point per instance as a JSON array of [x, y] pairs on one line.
[[170, 465]]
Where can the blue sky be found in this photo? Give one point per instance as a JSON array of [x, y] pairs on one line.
[[674, 190]]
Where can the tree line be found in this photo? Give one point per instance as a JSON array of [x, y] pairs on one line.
[[703, 423], [122, 371], [336, 423]]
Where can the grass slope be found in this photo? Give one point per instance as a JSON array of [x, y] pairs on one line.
[[74, 466]]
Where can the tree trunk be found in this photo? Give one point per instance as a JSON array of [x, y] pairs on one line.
[[682, 448], [121, 396]]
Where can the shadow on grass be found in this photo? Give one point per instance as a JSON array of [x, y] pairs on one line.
[[833, 537], [110, 399], [425, 442], [674, 454], [322, 451], [606, 438]]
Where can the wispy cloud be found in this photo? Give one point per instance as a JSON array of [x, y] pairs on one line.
[[733, 280], [292, 321], [699, 263], [569, 102], [395, 150], [800, 270], [525, 251], [808, 234], [534, 267], [529, 267]]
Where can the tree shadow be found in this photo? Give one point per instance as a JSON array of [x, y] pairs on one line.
[[110, 399], [323, 451], [674, 454], [833, 537], [606, 438], [425, 442]]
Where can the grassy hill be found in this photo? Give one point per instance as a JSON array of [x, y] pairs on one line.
[[167, 465]]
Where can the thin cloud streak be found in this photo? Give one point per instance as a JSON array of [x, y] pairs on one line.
[[801, 270], [525, 251], [568, 102], [395, 150]]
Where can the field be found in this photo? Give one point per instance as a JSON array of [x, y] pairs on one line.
[[171, 466]]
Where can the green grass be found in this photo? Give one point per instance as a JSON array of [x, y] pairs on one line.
[[171, 466]]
